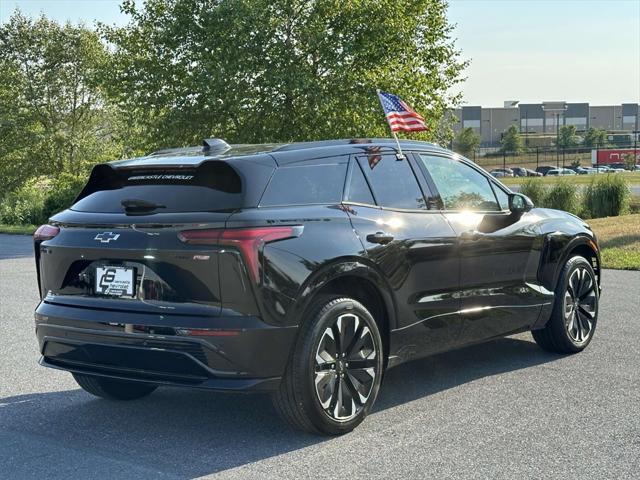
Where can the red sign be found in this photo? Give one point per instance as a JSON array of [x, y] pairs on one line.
[[617, 155]]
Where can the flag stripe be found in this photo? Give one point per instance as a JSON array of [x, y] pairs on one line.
[[403, 115]]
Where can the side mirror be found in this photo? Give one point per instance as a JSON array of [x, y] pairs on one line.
[[519, 203]]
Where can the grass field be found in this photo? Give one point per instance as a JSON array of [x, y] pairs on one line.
[[18, 229], [633, 178], [619, 239]]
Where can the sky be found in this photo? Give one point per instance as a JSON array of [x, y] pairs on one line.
[[526, 50]]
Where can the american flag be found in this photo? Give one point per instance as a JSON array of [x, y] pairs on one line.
[[401, 117]]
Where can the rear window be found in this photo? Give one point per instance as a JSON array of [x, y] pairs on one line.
[[213, 186], [305, 185]]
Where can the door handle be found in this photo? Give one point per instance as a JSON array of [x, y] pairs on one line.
[[472, 235], [379, 237]]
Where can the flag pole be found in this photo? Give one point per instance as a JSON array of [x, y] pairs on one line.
[[399, 155]]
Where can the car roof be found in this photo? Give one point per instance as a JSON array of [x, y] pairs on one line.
[[282, 153]]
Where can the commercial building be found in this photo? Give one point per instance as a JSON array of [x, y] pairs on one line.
[[545, 118]]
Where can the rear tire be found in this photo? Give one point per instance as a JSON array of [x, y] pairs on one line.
[[330, 386], [575, 310], [113, 389]]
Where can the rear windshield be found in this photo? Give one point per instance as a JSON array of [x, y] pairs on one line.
[[306, 185], [213, 186]]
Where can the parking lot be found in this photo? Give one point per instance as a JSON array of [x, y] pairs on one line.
[[505, 409]]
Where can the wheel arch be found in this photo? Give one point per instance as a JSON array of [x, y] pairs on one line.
[[581, 245], [355, 279]]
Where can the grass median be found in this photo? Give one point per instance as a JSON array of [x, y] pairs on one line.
[[18, 229], [619, 239]]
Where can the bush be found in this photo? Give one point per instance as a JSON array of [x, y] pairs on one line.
[[563, 196], [24, 205], [534, 189], [607, 196], [36, 201], [62, 193]]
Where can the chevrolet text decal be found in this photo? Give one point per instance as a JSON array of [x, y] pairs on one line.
[[161, 177]]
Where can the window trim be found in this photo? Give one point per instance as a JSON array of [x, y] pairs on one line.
[[464, 161]]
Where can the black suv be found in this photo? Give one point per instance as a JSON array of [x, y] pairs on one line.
[[303, 269]]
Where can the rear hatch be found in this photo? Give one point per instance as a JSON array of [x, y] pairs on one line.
[[120, 247]]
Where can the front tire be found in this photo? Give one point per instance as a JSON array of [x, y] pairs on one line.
[[575, 310], [113, 389], [334, 375]]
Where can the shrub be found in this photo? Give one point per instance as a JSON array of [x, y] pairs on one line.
[[37, 200], [534, 189], [607, 196], [24, 205], [563, 196], [62, 193]]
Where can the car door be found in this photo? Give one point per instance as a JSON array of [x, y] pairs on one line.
[[414, 248], [499, 252]]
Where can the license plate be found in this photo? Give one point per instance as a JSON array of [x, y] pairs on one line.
[[115, 281]]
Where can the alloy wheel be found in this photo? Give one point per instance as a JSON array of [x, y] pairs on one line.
[[580, 305], [346, 367]]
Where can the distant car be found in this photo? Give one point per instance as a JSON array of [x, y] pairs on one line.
[[601, 169], [585, 171], [502, 172], [556, 172], [524, 172], [544, 169]]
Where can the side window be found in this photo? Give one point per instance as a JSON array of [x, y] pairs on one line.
[[460, 186], [359, 191], [393, 182], [501, 195], [305, 184]]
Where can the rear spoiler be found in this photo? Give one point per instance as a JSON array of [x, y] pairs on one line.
[[216, 174]]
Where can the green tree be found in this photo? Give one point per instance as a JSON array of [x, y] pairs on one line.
[[567, 137], [466, 142], [511, 140], [595, 137], [53, 117], [279, 70]]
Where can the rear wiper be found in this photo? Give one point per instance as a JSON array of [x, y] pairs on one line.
[[136, 205]]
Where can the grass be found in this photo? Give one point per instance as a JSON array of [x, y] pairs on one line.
[[619, 239], [633, 178], [18, 229]]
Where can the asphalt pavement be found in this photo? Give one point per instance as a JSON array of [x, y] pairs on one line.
[[505, 409]]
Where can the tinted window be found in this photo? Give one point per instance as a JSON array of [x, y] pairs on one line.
[[359, 190], [393, 182], [460, 186], [209, 187], [306, 184]]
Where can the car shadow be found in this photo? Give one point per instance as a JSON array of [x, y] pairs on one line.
[[191, 433]]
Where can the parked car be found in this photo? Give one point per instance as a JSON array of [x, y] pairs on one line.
[[560, 172], [585, 171], [544, 169], [304, 270], [533, 173], [602, 169], [502, 172]]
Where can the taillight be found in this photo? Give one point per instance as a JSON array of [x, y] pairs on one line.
[[45, 232], [247, 240]]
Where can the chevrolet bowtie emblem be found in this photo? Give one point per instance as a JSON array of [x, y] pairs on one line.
[[106, 237]]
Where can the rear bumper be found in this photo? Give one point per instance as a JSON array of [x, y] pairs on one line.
[[234, 353]]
